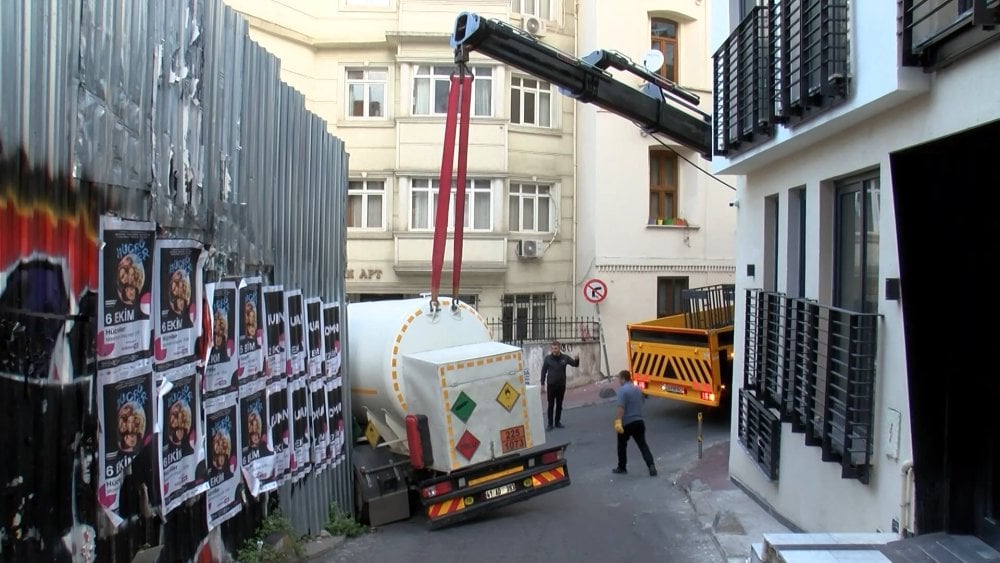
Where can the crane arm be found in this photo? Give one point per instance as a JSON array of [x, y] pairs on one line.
[[587, 80]]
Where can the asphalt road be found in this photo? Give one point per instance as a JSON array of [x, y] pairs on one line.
[[599, 517]]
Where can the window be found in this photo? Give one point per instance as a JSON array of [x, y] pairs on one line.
[[478, 205], [857, 245], [431, 85], [664, 40], [523, 316], [530, 101], [530, 208], [365, 204], [366, 92], [669, 296], [796, 282], [662, 186], [540, 8]]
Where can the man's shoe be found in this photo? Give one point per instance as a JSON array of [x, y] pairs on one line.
[[559, 425], [549, 427], [619, 470], [652, 471]]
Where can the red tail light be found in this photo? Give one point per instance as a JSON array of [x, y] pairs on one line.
[[551, 457], [437, 489]]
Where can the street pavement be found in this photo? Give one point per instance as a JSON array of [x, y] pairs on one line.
[[734, 519]]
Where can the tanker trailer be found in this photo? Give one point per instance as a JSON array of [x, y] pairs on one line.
[[447, 415]]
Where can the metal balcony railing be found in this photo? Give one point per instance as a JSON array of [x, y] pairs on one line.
[[815, 366], [935, 32], [784, 63], [743, 70], [760, 433]]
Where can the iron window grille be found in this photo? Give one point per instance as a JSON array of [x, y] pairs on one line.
[[760, 433], [743, 69], [935, 32], [815, 365], [785, 62]]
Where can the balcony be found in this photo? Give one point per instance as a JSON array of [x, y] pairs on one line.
[[936, 32], [812, 366], [784, 63]]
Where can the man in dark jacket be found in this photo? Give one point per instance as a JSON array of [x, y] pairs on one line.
[[554, 372]]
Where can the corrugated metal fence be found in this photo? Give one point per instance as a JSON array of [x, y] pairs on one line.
[[161, 111]]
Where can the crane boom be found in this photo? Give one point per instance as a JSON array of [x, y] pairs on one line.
[[587, 80]]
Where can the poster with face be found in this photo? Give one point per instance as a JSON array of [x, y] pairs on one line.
[[257, 454], [182, 461], [301, 462], [320, 423], [274, 332], [278, 403], [125, 411], [251, 364], [176, 298], [222, 363], [331, 340], [222, 433], [295, 331], [335, 416], [314, 337], [126, 272]]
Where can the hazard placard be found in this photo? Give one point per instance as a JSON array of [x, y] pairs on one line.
[[595, 290]]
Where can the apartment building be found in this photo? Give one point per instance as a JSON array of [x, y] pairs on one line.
[[558, 193], [865, 133], [652, 220], [379, 72]]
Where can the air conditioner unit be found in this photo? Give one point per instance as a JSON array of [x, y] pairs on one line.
[[530, 248], [533, 25]]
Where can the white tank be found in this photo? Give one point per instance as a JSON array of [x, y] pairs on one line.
[[405, 359]]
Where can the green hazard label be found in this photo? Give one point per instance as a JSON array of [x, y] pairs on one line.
[[463, 407]]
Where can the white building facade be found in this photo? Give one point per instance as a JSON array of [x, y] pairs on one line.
[[634, 186], [860, 129]]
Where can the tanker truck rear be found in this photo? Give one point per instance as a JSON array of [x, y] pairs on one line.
[[451, 427]]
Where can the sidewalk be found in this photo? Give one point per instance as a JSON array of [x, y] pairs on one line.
[[735, 519]]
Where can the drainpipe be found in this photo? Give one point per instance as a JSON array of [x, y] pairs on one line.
[[576, 175], [905, 497]]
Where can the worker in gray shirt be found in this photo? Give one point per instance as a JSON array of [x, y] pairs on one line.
[[629, 423]]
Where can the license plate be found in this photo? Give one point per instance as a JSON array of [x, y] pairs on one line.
[[512, 439], [674, 389], [500, 491]]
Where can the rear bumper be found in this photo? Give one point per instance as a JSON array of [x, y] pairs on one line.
[[468, 502]]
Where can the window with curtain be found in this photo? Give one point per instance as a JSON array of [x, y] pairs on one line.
[[662, 186], [857, 244], [365, 204], [478, 204], [664, 39], [530, 208], [431, 85], [366, 92], [530, 101], [540, 8]]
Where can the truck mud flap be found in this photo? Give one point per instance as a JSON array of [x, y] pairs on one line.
[[467, 502]]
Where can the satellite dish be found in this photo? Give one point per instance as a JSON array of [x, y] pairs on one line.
[[652, 60]]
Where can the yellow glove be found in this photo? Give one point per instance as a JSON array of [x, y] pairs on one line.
[[618, 426]]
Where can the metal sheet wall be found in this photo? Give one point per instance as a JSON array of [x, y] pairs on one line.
[[164, 111]]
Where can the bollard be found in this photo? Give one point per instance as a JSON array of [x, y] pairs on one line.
[[699, 435]]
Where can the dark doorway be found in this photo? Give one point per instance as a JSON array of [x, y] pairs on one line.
[[944, 196]]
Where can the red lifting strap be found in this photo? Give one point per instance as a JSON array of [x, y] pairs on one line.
[[461, 92]]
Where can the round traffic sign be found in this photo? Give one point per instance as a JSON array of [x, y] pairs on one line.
[[595, 290]]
